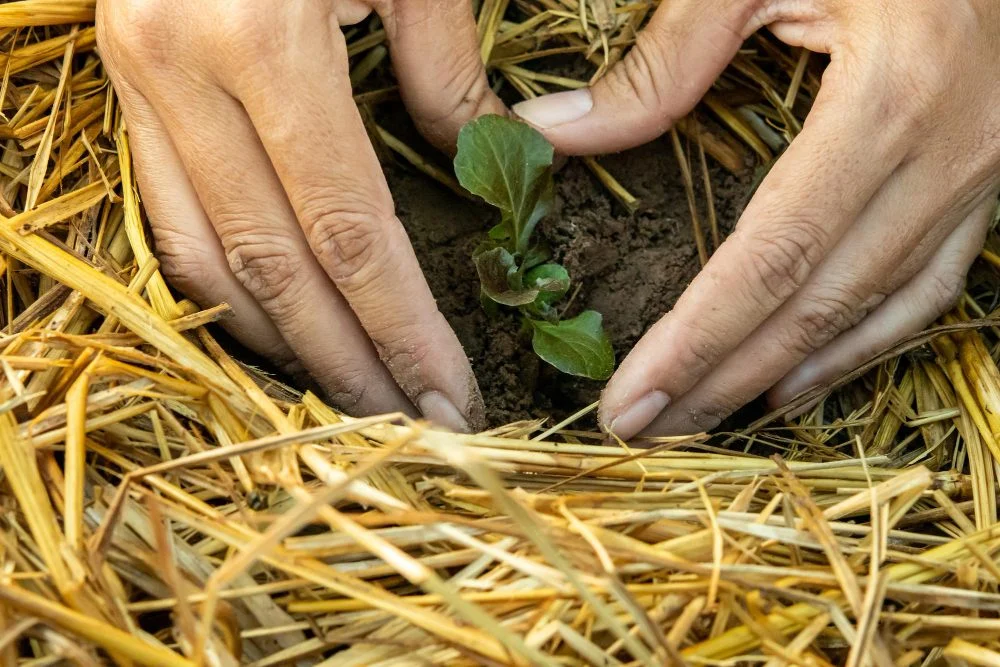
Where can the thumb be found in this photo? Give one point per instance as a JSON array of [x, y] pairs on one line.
[[675, 59], [436, 56]]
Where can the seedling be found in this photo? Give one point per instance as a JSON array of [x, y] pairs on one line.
[[509, 165]]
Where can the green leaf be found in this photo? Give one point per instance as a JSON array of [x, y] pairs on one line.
[[490, 307], [578, 346], [509, 164], [501, 232], [500, 279], [551, 281], [535, 255]]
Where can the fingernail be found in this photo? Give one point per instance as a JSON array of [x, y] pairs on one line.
[[556, 109], [638, 416], [705, 421], [442, 412], [803, 378], [796, 384]]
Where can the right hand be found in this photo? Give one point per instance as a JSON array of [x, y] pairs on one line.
[[263, 191]]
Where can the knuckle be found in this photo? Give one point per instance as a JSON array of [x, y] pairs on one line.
[[697, 349], [136, 31], [465, 84], [264, 265], [182, 262], [250, 31], [464, 93], [828, 313], [824, 317], [945, 290], [346, 389], [404, 356], [349, 239], [916, 82], [783, 257], [913, 95], [646, 73]]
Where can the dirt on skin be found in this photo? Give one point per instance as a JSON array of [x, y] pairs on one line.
[[629, 267]]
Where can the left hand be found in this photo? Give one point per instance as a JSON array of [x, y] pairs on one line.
[[861, 233]]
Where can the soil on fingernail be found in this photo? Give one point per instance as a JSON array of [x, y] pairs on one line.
[[629, 267]]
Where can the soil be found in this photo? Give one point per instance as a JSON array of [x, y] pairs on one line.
[[629, 267]]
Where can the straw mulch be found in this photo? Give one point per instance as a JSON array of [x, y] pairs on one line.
[[163, 504]]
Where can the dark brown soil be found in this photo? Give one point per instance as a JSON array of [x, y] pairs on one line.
[[630, 268]]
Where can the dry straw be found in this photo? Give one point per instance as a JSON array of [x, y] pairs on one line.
[[165, 505]]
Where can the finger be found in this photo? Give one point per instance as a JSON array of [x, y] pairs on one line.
[[897, 234], [267, 255], [675, 59], [316, 141], [909, 310], [810, 198], [441, 79], [189, 251]]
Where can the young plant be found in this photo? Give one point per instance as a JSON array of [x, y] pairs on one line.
[[509, 165]]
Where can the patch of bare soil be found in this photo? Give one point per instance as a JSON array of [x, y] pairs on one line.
[[629, 267]]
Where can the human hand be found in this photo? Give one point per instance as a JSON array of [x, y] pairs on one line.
[[862, 231], [263, 191]]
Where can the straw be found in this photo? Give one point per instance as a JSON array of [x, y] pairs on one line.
[[166, 504]]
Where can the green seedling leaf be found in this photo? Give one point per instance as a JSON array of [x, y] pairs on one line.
[[500, 279], [536, 254], [490, 307], [578, 346], [551, 281], [509, 164], [500, 232]]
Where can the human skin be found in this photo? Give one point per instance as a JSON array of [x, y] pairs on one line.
[[861, 233], [263, 191]]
